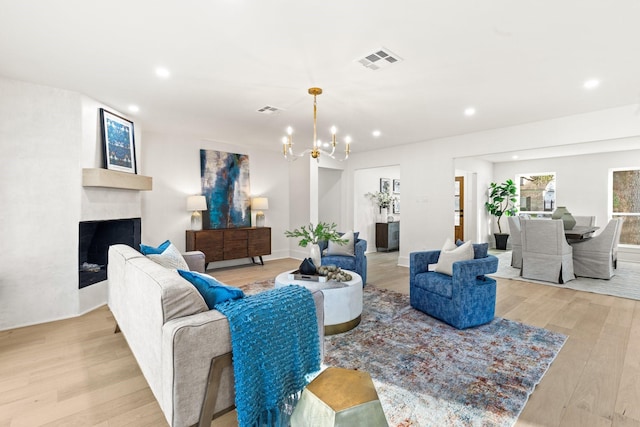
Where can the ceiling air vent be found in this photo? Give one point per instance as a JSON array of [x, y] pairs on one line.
[[379, 59], [268, 109]]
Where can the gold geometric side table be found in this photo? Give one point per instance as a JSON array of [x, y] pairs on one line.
[[339, 398]]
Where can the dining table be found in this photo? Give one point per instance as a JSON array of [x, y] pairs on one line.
[[580, 232]]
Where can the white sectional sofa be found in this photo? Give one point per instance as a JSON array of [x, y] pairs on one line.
[[176, 339]]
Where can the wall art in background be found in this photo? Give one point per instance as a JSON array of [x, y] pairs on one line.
[[225, 184], [396, 206], [385, 185]]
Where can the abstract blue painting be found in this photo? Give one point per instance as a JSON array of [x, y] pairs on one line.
[[225, 184]]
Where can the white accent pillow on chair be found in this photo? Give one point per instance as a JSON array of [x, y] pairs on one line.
[[345, 249], [451, 253]]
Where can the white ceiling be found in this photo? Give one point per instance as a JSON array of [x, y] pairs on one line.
[[514, 61]]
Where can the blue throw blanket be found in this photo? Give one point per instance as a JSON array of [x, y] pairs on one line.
[[274, 339]]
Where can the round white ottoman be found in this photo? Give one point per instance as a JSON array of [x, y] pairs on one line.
[[342, 300]]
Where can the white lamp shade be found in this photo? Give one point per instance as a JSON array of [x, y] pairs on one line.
[[260, 203], [196, 203]]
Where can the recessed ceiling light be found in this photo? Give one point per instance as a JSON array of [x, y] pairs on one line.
[[134, 108], [162, 72], [469, 111], [376, 133], [591, 84], [514, 157]]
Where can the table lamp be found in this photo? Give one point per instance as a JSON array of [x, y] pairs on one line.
[[196, 204], [258, 204]]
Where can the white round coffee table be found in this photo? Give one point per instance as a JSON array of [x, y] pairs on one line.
[[342, 300]]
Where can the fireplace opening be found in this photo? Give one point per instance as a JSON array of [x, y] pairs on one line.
[[93, 248]]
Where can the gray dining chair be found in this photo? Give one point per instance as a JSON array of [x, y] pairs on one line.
[[595, 257], [516, 241], [585, 221], [617, 240], [546, 255]]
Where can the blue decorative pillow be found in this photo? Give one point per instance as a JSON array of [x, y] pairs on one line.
[[211, 290], [150, 250], [480, 250]]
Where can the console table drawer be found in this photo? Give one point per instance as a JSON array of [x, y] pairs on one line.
[[231, 235], [235, 249], [211, 244]]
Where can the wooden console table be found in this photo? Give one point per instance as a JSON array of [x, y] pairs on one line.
[[387, 236], [231, 243]]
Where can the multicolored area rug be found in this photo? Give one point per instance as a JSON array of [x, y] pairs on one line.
[[430, 374]]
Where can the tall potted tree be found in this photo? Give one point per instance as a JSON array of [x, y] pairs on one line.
[[502, 201]]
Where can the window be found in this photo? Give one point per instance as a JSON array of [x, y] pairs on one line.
[[625, 203], [537, 192]]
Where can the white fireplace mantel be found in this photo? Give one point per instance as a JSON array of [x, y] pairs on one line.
[[96, 177]]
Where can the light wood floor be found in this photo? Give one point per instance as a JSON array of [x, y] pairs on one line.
[[77, 372]]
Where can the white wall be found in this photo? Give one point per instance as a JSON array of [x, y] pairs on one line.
[[582, 182], [40, 135], [366, 213], [47, 136], [330, 195], [427, 168], [174, 163]]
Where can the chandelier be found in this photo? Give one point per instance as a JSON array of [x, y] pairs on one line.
[[318, 146]]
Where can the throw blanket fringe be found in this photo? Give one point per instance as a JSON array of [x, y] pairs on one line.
[[274, 339]]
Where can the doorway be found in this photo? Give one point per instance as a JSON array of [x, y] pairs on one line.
[[458, 209]]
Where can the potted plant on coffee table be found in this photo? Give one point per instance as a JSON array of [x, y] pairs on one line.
[[502, 202], [313, 234]]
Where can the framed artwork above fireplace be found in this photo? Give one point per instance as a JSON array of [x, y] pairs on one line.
[[118, 142]]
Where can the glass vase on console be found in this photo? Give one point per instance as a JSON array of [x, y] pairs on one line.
[[382, 217]]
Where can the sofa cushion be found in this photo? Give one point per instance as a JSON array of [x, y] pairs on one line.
[[448, 256], [480, 250], [211, 290], [177, 296], [347, 248], [436, 283], [149, 250], [170, 258]]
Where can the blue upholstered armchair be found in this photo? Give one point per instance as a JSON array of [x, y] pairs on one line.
[[357, 262], [463, 300]]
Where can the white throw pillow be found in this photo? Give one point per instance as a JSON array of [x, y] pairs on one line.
[[345, 249], [451, 253], [171, 258]]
